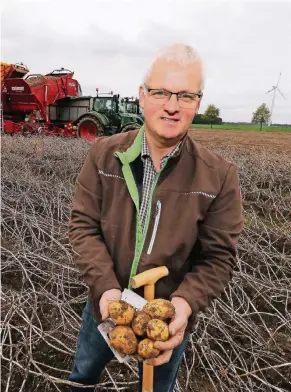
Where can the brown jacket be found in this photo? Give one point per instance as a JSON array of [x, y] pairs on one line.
[[194, 224]]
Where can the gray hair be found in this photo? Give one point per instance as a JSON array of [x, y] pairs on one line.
[[181, 54]]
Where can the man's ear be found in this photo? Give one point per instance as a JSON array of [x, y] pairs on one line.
[[141, 96]]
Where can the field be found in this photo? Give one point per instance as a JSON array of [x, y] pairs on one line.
[[243, 141], [244, 127], [242, 342]]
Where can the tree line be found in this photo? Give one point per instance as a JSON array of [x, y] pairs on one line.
[[261, 116], [210, 116]]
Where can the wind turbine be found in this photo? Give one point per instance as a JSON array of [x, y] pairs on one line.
[[275, 88]]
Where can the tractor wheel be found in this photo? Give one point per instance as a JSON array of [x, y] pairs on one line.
[[130, 127], [89, 128]]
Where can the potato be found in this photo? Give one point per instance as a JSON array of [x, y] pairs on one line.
[[146, 349], [158, 330], [139, 323], [123, 339], [160, 308], [121, 312]]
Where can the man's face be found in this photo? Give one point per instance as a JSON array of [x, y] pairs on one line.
[[170, 120]]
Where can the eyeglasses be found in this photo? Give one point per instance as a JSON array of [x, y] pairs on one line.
[[161, 97]]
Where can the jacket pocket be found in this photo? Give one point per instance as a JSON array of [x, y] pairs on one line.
[[157, 219]]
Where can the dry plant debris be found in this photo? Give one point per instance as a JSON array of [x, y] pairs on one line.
[[242, 342]]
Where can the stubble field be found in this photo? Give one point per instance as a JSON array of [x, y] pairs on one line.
[[242, 342]]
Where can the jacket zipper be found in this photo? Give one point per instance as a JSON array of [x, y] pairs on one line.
[[134, 266], [157, 219]]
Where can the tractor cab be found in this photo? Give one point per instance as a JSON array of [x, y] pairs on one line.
[[130, 105], [108, 105], [106, 102]]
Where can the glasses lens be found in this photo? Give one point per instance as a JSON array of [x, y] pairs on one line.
[[187, 100], [159, 97]]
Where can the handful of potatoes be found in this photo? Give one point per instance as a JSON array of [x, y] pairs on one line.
[[136, 331]]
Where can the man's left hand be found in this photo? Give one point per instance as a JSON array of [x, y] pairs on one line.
[[177, 329]]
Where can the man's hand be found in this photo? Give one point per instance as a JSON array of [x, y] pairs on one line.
[[177, 329], [107, 297]]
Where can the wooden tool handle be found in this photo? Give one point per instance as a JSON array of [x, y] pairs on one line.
[[148, 377], [149, 292], [148, 370], [148, 277]]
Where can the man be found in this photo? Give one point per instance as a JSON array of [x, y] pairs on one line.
[[151, 198]]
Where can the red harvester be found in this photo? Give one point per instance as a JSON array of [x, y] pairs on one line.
[[26, 100]]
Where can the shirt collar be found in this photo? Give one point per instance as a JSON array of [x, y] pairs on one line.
[[145, 151]]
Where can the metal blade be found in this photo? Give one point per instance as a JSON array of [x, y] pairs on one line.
[[270, 90], [280, 92]]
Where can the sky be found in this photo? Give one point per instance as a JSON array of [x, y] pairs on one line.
[[110, 44]]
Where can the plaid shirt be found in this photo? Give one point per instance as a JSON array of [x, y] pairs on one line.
[[149, 174]]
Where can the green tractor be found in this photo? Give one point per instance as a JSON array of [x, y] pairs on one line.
[[107, 114], [131, 105]]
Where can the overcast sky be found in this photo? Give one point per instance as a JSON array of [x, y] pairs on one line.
[[109, 44]]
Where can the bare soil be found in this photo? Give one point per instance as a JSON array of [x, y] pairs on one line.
[[243, 140]]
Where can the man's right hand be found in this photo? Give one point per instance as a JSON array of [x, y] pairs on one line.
[[107, 297]]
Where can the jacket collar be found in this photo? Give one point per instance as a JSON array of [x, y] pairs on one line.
[[128, 152]]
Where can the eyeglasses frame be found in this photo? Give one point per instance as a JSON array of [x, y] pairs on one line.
[[199, 95]]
